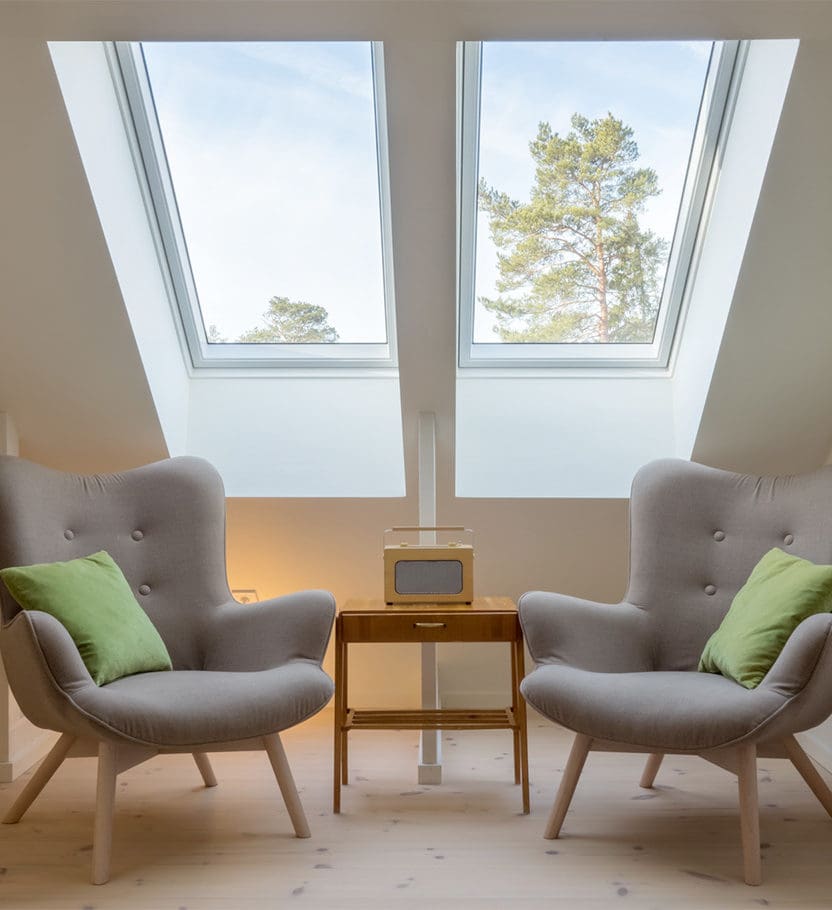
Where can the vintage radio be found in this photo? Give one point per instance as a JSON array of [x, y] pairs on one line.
[[426, 571]]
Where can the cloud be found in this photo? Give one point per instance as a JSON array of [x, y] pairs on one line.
[[276, 180], [654, 87]]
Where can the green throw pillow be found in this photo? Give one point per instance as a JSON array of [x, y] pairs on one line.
[[92, 598], [779, 594]]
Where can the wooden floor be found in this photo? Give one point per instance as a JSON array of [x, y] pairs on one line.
[[461, 845]]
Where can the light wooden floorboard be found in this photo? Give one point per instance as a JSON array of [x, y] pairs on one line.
[[398, 845]]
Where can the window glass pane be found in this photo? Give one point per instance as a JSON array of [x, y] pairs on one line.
[[583, 153], [272, 154]]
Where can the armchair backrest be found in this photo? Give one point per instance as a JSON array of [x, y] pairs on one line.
[[696, 534], [164, 524]]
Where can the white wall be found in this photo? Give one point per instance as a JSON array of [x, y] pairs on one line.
[[742, 169], [300, 436], [767, 410], [70, 367], [90, 98], [70, 371], [559, 437]]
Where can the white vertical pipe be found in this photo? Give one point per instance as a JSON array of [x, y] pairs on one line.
[[9, 443], [430, 750]]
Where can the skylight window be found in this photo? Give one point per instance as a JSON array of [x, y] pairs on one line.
[[267, 168], [583, 178]]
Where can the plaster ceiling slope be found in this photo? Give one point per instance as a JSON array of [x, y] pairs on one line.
[[70, 372], [768, 406]]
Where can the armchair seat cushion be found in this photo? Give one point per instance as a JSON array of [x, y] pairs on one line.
[[193, 707], [671, 711]]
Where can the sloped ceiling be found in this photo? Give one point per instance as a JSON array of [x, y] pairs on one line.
[[70, 371], [768, 409]]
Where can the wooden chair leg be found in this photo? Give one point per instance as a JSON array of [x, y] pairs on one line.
[[749, 813], [574, 766], [205, 769], [280, 766], [41, 777], [338, 713], [105, 796], [809, 773], [651, 769]]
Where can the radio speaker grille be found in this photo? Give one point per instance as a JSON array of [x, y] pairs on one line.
[[428, 576]]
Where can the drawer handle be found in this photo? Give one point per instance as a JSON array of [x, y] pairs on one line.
[[429, 625]]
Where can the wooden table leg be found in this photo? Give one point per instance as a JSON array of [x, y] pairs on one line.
[[516, 731], [520, 660], [345, 776], [339, 716]]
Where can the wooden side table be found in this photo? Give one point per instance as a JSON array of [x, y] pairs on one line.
[[487, 619]]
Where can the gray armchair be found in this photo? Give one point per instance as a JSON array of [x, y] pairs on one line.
[[241, 674], [623, 677]]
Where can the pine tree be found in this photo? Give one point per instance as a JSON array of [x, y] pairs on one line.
[[574, 263], [292, 322]]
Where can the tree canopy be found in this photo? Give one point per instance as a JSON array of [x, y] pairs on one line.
[[292, 322], [574, 263]]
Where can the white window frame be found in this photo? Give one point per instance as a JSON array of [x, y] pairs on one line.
[[141, 122], [723, 76]]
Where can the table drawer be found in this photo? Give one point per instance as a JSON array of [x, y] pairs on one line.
[[434, 626]]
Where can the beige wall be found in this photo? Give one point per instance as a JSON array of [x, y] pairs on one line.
[[21, 743], [71, 375], [574, 546]]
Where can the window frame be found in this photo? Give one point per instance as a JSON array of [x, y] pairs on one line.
[[135, 95], [716, 105]]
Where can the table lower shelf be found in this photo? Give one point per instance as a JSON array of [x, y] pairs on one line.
[[442, 719]]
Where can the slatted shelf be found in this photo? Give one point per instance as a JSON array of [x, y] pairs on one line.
[[443, 719]]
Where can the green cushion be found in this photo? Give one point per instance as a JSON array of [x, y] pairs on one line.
[[780, 593], [92, 598]]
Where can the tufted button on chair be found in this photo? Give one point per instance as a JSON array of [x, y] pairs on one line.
[[241, 673], [623, 677]]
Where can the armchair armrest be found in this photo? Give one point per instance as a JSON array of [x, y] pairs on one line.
[[263, 635], [802, 674], [44, 668], [611, 638], [807, 652]]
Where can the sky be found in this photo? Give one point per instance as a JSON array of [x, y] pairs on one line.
[[654, 87], [272, 152]]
